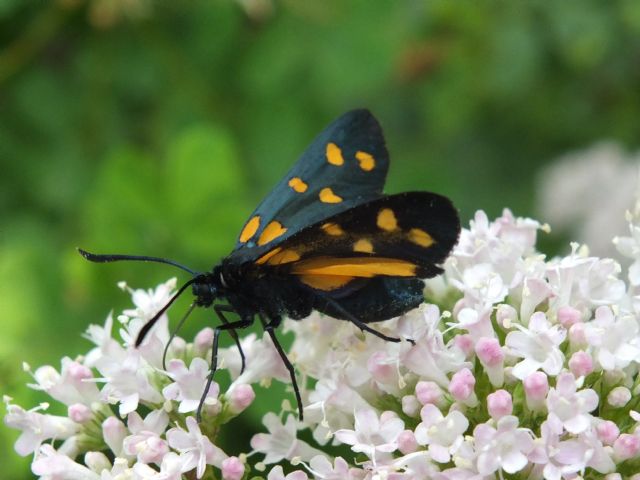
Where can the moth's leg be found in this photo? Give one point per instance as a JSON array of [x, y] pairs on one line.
[[220, 310], [359, 323], [174, 333], [242, 323], [270, 327]]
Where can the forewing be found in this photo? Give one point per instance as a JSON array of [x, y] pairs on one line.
[[405, 235], [345, 166]]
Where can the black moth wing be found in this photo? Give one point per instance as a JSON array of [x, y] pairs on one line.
[[349, 158], [417, 227], [375, 299], [370, 258]]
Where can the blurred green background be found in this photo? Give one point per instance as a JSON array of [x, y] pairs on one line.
[[148, 127]]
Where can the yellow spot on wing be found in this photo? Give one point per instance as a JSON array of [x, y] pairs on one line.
[[285, 256], [332, 229], [366, 160], [250, 229], [363, 245], [325, 282], [271, 232], [327, 196], [298, 185], [420, 237], [268, 255], [334, 154], [277, 256], [387, 220], [355, 267]]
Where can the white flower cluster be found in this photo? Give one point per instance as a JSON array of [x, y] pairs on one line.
[[107, 389], [521, 366], [604, 177]]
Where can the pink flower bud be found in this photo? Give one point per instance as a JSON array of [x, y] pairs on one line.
[[619, 397], [462, 384], [380, 369], [499, 404], [581, 364], [428, 392], [536, 387], [607, 432], [626, 446], [79, 372], [506, 315], [577, 337], [491, 357], [407, 442], [203, 341], [97, 461], [410, 405], [489, 351], [232, 469], [568, 316], [178, 346], [79, 413], [388, 415], [240, 397], [114, 432], [465, 343]]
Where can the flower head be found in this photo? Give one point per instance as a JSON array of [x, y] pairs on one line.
[[527, 366]]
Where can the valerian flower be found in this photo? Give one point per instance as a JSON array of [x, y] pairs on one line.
[[538, 346], [505, 447], [570, 405], [188, 382], [37, 427], [281, 442], [195, 448], [146, 441], [442, 435], [372, 433]]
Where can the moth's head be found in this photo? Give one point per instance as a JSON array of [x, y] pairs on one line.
[[206, 289]]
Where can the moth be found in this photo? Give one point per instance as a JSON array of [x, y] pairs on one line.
[[326, 238]]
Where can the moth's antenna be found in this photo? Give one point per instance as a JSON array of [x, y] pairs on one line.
[[147, 326], [92, 257]]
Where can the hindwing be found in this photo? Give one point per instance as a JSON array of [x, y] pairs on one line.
[[404, 235]]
